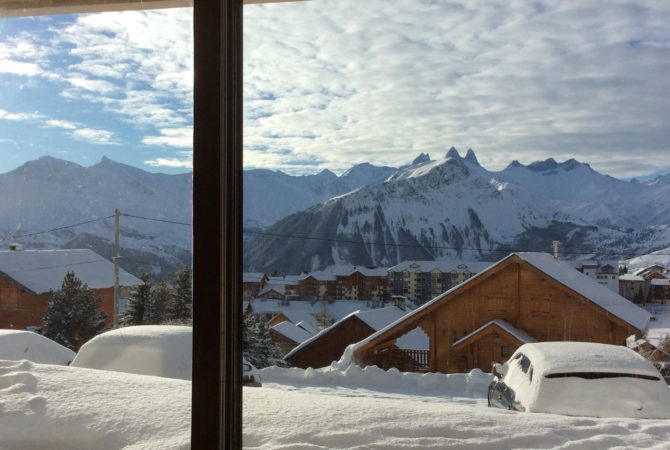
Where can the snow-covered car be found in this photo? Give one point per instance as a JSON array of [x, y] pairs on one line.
[[580, 379], [158, 350], [250, 375], [20, 344]]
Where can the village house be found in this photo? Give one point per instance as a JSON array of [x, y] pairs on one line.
[[659, 290], [362, 283], [525, 297], [329, 344], [252, 283], [421, 281], [318, 285], [605, 273], [644, 284], [27, 278], [288, 335]]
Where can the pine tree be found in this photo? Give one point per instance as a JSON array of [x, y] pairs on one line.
[[159, 300], [257, 346], [179, 309], [137, 302], [72, 316]]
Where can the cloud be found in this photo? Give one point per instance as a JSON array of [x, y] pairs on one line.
[[337, 82], [380, 82], [19, 117], [20, 56], [64, 124], [185, 162], [172, 137], [94, 136]]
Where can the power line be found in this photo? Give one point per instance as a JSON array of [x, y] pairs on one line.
[[157, 220], [64, 227], [57, 265]]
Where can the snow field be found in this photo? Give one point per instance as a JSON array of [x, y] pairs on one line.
[[55, 407], [369, 408], [70, 408], [19, 344]]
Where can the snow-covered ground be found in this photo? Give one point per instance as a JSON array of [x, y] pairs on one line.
[[55, 407]]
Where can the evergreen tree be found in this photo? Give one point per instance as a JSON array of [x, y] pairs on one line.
[[72, 316], [257, 345], [137, 302], [179, 309], [160, 297]]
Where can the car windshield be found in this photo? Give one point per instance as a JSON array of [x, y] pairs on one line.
[[599, 375]]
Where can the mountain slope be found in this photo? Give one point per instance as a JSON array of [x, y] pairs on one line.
[[454, 207]]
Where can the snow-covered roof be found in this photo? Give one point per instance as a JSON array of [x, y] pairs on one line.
[[278, 288], [321, 275], [252, 277], [442, 266], [291, 331], [630, 277], [375, 319], [517, 333], [563, 357], [43, 270], [660, 282], [379, 318], [589, 288], [16, 345], [336, 309], [366, 271]]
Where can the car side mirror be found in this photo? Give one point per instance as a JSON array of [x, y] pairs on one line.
[[499, 370]]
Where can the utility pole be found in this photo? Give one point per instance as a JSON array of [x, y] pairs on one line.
[[117, 249]]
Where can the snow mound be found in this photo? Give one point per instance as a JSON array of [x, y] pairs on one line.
[[159, 350], [472, 385], [18, 344], [47, 406]]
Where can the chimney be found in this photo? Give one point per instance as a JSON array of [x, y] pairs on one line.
[[557, 249], [15, 247]]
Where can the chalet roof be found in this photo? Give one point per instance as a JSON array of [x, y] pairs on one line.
[[556, 269], [291, 331], [366, 271], [252, 277], [321, 275], [375, 319], [299, 310], [660, 282], [278, 288], [41, 271], [521, 335], [589, 288], [442, 266], [630, 277]]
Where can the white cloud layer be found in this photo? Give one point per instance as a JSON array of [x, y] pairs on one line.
[[93, 136], [330, 83]]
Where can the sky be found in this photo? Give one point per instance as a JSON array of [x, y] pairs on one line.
[[331, 83]]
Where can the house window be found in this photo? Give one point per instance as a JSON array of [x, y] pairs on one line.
[[505, 351]]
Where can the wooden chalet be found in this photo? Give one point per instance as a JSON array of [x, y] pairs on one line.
[[329, 344], [525, 297], [27, 278]]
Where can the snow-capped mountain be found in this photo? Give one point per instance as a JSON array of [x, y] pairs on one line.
[[48, 193], [428, 209], [450, 207], [272, 195]]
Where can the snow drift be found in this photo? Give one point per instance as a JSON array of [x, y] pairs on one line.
[[18, 344]]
